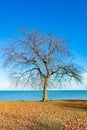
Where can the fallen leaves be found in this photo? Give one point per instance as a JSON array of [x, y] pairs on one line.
[[52, 115]]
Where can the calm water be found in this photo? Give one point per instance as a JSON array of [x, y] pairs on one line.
[[37, 95]]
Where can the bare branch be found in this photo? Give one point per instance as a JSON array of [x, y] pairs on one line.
[[36, 56]]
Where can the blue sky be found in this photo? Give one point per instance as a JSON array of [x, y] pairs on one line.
[[64, 18]]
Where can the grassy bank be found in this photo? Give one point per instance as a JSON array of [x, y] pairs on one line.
[[51, 115]]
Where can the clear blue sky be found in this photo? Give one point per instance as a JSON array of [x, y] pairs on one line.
[[64, 18]]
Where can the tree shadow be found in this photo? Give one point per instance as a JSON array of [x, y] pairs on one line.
[[76, 104]]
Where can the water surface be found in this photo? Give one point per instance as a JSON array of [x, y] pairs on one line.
[[38, 94]]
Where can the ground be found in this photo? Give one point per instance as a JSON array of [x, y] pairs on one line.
[[36, 115]]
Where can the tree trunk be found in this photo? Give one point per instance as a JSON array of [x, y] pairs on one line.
[[45, 98]]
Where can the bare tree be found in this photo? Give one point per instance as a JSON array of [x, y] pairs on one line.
[[33, 57]]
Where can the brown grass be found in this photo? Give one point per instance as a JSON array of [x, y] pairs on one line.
[[51, 115]]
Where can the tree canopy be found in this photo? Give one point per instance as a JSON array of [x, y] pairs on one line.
[[38, 59]]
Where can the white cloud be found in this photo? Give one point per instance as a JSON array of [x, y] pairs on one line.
[[78, 86], [85, 80], [5, 83]]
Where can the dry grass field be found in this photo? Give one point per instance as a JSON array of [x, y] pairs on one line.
[[51, 115]]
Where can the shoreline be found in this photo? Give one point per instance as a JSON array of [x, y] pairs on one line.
[[70, 100]]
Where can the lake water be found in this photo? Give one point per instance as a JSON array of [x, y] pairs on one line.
[[37, 95]]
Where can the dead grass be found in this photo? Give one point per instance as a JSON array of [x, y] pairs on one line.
[[51, 115]]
